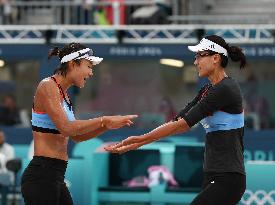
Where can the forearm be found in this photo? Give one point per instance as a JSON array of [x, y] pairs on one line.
[[165, 130], [162, 131], [90, 135], [81, 127]]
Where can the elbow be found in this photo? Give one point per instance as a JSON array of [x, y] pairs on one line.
[[76, 139], [184, 127], [67, 130], [81, 138]]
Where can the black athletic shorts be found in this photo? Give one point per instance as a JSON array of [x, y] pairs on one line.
[[43, 183], [221, 189]]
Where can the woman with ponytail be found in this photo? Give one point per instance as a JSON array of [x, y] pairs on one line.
[[54, 123], [218, 107]]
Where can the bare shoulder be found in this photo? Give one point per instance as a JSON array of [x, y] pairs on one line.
[[46, 91], [46, 85]]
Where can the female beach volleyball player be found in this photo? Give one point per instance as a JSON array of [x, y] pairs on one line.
[[218, 107], [53, 123]]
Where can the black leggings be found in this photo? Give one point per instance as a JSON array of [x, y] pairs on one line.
[[221, 189], [43, 182]]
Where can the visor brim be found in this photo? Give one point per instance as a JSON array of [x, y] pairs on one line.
[[195, 48], [95, 60]]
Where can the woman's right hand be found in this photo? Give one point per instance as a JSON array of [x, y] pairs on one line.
[[118, 121], [130, 143]]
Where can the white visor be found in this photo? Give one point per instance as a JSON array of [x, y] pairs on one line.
[[86, 53], [205, 45]]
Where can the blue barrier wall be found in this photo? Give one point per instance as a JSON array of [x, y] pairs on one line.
[[259, 145]]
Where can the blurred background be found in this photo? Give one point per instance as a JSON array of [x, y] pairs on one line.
[[147, 70]]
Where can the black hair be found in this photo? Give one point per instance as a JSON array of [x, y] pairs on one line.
[[235, 53], [70, 48]]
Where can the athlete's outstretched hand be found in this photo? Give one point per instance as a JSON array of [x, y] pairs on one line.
[[118, 121], [161, 131], [130, 143]]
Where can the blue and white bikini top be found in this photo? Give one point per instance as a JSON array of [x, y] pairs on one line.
[[41, 121]]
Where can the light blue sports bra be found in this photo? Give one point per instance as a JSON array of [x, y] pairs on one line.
[[41, 122]]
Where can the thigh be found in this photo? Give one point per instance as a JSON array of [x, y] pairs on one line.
[[211, 194], [65, 196], [222, 190], [40, 193]]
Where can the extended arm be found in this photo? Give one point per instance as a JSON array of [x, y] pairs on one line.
[[49, 92], [162, 131]]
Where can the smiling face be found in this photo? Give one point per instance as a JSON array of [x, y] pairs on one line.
[[204, 61], [80, 73]]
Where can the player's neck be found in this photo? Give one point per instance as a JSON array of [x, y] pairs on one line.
[[217, 77], [64, 82]]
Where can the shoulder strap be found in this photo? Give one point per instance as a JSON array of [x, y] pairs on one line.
[[62, 93], [59, 87]]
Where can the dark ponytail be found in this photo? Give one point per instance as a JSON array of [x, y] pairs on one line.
[[70, 48], [53, 52], [235, 53]]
